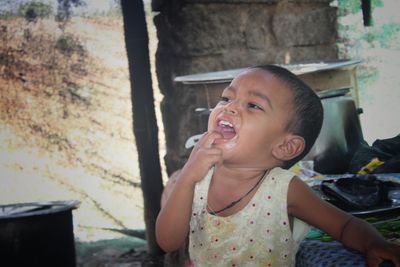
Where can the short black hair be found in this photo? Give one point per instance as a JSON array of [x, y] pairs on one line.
[[307, 115]]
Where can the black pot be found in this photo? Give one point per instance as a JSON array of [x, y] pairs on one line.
[[341, 133], [37, 234]]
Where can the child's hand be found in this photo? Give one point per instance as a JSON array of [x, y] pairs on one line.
[[203, 156], [387, 250]]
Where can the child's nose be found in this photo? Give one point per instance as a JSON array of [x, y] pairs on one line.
[[232, 108]]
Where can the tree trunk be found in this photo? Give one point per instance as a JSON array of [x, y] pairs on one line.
[[144, 119]]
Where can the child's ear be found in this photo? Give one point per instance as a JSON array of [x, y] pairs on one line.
[[290, 147]]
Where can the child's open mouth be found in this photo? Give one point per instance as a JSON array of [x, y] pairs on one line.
[[226, 129]]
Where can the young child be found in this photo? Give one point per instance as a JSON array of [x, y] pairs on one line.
[[234, 197]]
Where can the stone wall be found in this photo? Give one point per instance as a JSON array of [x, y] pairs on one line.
[[197, 36]]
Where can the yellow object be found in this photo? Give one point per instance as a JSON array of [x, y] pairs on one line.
[[295, 168], [371, 166]]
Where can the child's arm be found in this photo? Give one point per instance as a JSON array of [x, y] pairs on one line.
[[351, 231], [172, 224]]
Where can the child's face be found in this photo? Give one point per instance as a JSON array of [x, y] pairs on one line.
[[251, 116]]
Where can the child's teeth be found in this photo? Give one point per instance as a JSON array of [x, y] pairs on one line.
[[225, 123]]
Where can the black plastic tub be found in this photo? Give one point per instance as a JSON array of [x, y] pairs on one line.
[[37, 234]]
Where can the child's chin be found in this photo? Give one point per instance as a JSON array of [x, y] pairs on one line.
[[226, 143]]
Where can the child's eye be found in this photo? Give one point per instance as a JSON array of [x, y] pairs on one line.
[[224, 99], [255, 106]]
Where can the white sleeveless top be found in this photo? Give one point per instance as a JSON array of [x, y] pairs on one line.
[[257, 235]]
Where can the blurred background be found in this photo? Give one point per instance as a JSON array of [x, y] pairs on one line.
[[66, 114]]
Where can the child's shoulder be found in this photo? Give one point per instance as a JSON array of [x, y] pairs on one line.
[[279, 180], [280, 173]]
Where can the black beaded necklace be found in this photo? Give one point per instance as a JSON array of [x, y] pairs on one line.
[[233, 203]]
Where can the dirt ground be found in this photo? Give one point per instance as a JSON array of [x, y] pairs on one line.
[[109, 257]]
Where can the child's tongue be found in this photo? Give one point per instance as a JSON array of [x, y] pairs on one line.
[[226, 131]]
